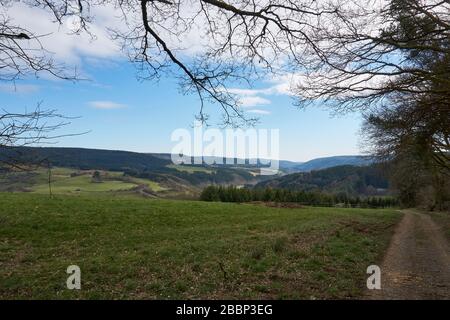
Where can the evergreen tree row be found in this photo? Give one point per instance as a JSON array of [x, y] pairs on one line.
[[234, 194]]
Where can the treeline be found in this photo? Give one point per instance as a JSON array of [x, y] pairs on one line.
[[234, 194]]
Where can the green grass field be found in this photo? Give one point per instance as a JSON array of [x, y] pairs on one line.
[[82, 184], [136, 248]]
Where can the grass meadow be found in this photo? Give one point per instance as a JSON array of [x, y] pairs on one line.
[[136, 248]]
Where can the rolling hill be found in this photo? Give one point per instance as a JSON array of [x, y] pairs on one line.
[[352, 180], [328, 162], [85, 159], [123, 170], [100, 159]]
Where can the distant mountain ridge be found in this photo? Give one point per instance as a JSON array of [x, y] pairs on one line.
[[328, 162], [119, 160]]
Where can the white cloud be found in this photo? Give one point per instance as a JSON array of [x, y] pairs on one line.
[[58, 40], [280, 85], [250, 92], [253, 101], [64, 46], [258, 111], [306, 85], [106, 105]]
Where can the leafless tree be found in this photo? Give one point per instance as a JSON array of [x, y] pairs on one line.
[[414, 115], [410, 127], [242, 41], [22, 55], [362, 66], [27, 129], [347, 54]]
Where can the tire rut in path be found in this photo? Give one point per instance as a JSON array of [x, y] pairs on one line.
[[417, 262]]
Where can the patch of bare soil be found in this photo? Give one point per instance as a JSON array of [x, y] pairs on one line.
[[417, 262]]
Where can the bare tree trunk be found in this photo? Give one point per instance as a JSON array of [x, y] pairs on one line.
[[49, 171]]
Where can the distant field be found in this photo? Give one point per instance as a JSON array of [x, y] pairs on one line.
[[82, 183], [64, 181], [133, 247]]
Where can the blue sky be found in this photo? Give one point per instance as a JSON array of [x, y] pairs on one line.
[[123, 113]]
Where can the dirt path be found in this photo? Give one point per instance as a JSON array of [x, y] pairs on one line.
[[417, 263]]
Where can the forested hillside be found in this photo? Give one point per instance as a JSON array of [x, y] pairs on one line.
[[348, 179], [352, 180]]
